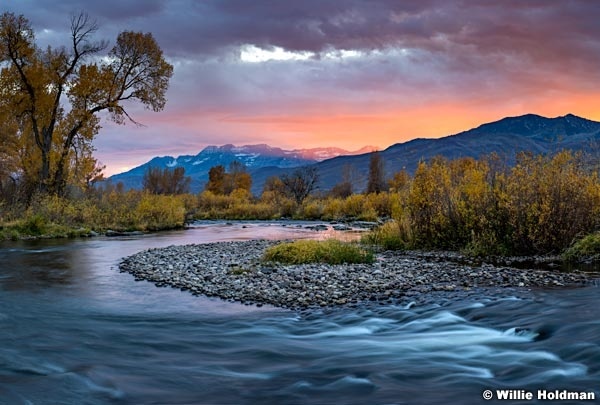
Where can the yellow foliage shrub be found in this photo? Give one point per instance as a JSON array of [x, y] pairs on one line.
[[333, 209], [311, 209], [354, 205], [155, 212]]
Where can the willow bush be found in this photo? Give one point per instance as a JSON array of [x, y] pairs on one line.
[[237, 205], [550, 201], [54, 216], [539, 205], [586, 248], [154, 212]]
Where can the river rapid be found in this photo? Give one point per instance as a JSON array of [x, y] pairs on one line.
[[74, 330]]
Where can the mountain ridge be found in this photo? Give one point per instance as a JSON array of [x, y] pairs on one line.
[[253, 156], [506, 136]]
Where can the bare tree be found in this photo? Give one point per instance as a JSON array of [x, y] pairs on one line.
[[166, 181], [345, 188], [376, 183], [301, 182]]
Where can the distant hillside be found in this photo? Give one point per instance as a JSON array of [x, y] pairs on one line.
[[253, 156], [507, 137]]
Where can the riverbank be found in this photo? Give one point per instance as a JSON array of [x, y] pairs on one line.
[[234, 271]]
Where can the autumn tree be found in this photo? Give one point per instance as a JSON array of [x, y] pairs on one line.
[[274, 185], [216, 180], [55, 95], [166, 181], [400, 181], [341, 190], [238, 178], [222, 182]]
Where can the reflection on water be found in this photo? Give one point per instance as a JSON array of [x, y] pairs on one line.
[[73, 330]]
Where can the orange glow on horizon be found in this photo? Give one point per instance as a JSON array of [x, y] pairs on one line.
[[386, 127], [349, 130]]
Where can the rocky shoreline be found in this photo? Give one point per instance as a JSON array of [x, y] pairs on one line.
[[233, 271]]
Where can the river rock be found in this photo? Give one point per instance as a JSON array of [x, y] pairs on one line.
[[234, 271]]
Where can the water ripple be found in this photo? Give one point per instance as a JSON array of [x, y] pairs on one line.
[[74, 330]]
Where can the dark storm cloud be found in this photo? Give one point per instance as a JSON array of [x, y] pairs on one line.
[[51, 13], [539, 29], [309, 25], [513, 56], [548, 31]]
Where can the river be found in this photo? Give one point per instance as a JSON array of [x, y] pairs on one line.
[[74, 330]]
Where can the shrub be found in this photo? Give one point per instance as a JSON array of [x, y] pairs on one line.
[[248, 210], [380, 204], [587, 247], [330, 251], [354, 205], [155, 212], [550, 201], [34, 225], [484, 244], [390, 236], [333, 209], [311, 209]]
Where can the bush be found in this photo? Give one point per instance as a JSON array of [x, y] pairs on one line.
[[585, 248], [34, 225], [550, 200], [333, 209], [330, 251], [52, 216], [250, 211], [155, 212], [389, 236], [354, 205], [486, 244], [380, 204], [311, 209]]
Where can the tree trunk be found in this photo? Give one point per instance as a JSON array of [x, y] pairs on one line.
[[59, 182], [45, 165]]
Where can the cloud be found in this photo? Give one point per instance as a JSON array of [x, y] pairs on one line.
[[540, 29], [377, 70]]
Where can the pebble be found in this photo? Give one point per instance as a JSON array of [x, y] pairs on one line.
[[234, 271]]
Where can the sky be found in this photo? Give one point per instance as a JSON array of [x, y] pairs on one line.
[[344, 73]]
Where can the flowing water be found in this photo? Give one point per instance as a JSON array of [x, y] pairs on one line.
[[73, 330]]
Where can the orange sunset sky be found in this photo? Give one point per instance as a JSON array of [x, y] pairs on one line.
[[341, 73]]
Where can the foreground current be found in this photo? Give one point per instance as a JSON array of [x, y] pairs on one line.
[[74, 330]]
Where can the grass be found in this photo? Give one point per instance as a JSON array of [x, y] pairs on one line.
[[584, 248], [38, 227], [387, 236], [330, 251]]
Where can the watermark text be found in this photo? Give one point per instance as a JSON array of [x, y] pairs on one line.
[[540, 395]]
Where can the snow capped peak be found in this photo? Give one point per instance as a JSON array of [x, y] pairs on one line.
[[252, 156], [320, 154], [210, 149]]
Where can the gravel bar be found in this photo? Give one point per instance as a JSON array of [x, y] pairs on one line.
[[233, 271]]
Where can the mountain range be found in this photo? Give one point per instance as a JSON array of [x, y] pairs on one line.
[[507, 137], [252, 156]]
